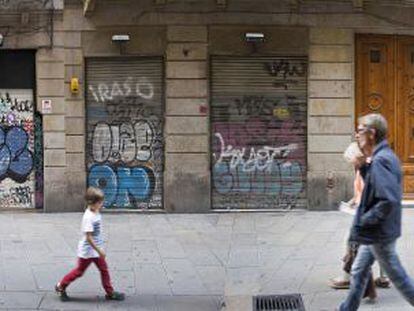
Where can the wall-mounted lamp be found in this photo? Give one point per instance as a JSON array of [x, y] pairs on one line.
[[74, 85], [121, 40], [253, 39]]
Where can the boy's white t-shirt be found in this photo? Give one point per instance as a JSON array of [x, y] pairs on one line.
[[91, 222]]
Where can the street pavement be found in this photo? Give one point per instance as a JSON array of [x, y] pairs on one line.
[[180, 262]]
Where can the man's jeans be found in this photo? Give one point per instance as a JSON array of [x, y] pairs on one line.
[[388, 260]]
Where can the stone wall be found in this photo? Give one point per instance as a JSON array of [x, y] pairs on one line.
[[187, 173], [186, 35], [330, 117]]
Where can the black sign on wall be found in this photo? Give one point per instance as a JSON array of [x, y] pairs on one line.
[[17, 69]]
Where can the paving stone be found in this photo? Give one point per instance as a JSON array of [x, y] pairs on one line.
[[19, 300], [152, 280], [184, 303], [184, 277]]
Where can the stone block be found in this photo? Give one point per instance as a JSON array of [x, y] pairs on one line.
[[75, 108], [187, 34], [187, 143], [75, 162], [50, 70], [143, 41], [327, 162], [187, 88], [332, 36], [75, 126], [53, 123], [328, 143], [76, 186], [186, 70], [331, 107], [73, 57], [59, 38], [186, 51], [75, 143], [330, 89], [31, 40], [73, 71], [229, 40], [58, 104], [54, 140], [187, 192], [327, 189], [74, 20], [72, 39], [330, 125], [186, 106], [49, 55], [50, 87], [330, 71], [186, 125], [330, 53], [192, 163], [54, 158], [54, 187]]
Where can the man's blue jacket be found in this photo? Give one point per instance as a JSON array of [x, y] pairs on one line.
[[378, 216]]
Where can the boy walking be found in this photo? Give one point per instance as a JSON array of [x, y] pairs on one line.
[[90, 248]]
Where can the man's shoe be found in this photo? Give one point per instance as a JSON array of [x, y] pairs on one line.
[[382, 282], [339, 284], [115, 296], [61, 293]]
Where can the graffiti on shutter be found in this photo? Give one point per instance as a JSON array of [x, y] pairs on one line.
[[125, 133], [259, 132], [17, 186]]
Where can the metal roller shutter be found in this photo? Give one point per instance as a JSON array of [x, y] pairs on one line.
[[125, 130], [258, 124]]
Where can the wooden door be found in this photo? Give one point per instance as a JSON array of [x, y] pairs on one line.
[[405, 110], [385, 84]]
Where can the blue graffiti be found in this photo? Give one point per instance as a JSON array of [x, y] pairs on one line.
[[16, 160], [281, 178], [123, 186]]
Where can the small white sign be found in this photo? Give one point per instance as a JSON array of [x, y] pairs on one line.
[[46, 106]]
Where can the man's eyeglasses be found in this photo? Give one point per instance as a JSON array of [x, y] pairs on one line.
[[362, 130]]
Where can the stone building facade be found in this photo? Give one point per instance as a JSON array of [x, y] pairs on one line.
[[191, 114]]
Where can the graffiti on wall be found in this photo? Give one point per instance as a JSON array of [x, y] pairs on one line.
[[38, 159], [16, 149], [125, 147], [258, 153]]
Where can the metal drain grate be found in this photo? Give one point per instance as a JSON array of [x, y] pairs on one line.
[[292, 302]]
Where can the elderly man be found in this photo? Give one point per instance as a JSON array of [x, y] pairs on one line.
[[377, 223]]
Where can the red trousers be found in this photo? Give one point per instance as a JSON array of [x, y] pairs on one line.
[[83, 264]]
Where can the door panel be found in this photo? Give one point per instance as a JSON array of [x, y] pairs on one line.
[[405, 108], [374, 71], [385, 84]]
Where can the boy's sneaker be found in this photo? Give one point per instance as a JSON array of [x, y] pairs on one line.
[[61, 293], [115, 296]]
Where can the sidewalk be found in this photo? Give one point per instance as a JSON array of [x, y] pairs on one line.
[[185, 262]]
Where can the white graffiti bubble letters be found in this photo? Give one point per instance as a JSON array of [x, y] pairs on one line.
[[141, 88], [145, 138], [260, 160], [144, 88], [125, 142], [101, 145]]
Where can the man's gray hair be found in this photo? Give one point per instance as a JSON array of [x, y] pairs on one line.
[[377, 122]]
